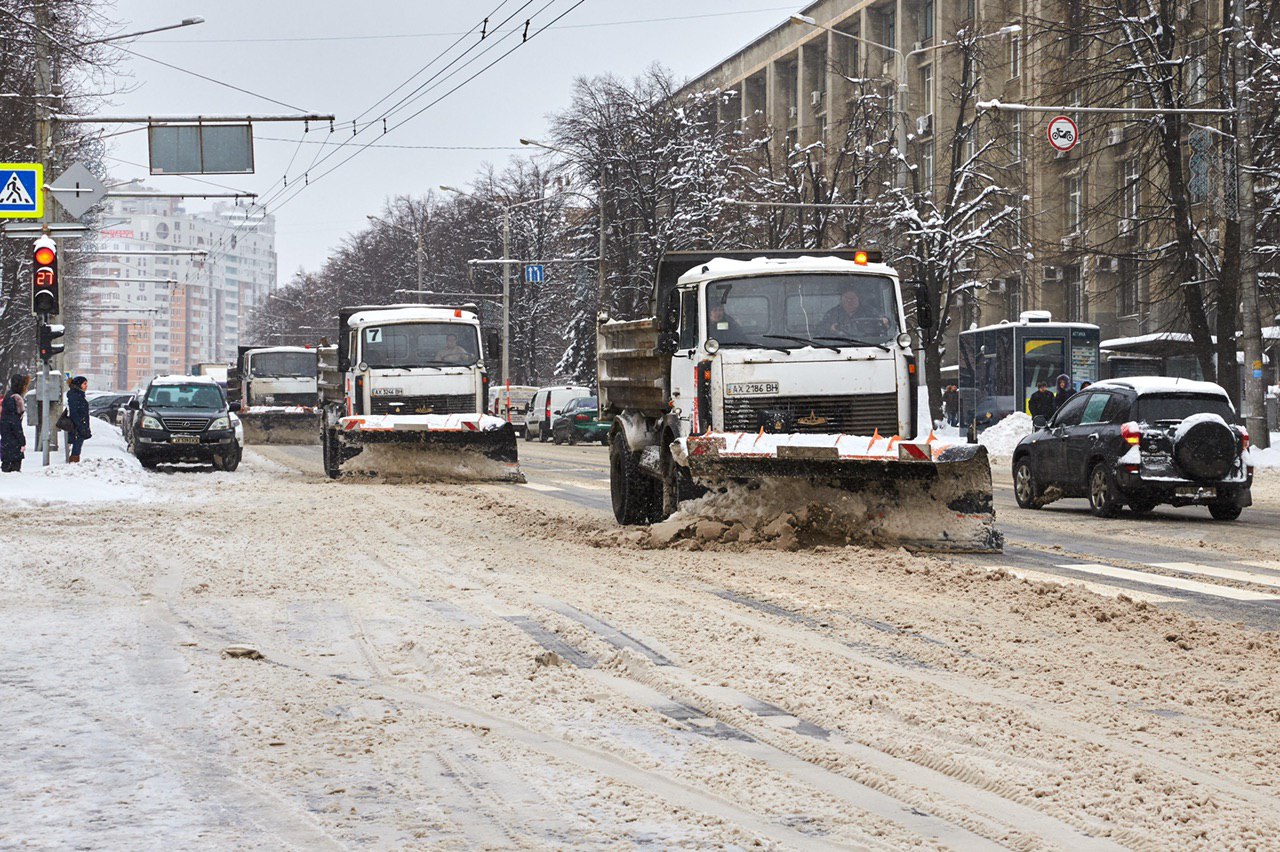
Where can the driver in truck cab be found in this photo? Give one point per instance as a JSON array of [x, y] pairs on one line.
[[452, 353], [723, 327], [849, 319]]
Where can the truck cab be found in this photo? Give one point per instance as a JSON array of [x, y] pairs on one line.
[[276, 387], [814, 345]]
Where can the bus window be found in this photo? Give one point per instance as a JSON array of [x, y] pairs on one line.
[[1042, 360]]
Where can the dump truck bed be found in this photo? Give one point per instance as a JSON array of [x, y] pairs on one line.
[[632, 371]]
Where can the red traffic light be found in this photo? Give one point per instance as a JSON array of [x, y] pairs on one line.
[[45, 255]]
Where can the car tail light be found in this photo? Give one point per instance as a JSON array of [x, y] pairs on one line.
[[1132, 433], [582, 417], [1244, 436]]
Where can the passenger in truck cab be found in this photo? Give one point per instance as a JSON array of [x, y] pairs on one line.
[[452, 353], [850, 318]]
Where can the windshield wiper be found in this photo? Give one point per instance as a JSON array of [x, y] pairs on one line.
[[856, 342], [742, 344], [806, 340]]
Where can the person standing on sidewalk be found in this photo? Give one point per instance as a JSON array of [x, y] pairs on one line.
[[78, 408], [13, 441]]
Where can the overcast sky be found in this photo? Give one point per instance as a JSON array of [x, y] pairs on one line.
[[340, 57]]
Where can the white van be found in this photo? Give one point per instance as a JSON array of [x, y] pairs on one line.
[[546, 402], [511, 404]]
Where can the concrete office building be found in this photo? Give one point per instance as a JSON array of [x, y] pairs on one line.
[[148, 314], [1082, 212]]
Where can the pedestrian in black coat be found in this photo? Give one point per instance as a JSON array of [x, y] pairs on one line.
[[1041, 403], [13, 441], [1065, 391], [78, 409]]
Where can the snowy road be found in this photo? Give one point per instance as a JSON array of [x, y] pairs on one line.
[[494, 666]]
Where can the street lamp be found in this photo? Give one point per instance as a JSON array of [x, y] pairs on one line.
[[186, 22], [601, 294], [418, 235]]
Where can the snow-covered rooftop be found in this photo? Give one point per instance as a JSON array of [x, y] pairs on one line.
[[723, 267], [1160, 384]]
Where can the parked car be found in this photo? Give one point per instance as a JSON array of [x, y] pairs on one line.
[[1141, 442], [577, 421], [106, 406], [539, 419], [184, 419]]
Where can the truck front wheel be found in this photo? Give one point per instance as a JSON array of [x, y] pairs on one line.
[[633, 493], [332, 454]]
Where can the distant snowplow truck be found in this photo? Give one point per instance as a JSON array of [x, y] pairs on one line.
[[276, 389], [411, 378], [764, 365]]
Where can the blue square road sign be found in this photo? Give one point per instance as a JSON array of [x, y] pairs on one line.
[[535, 274], [21, 190]]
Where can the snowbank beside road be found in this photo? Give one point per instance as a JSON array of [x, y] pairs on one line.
[[106, 472], [1002, 438]]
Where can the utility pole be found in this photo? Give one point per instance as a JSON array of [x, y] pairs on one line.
[[1255, 411], [506, 297], [47, 87]]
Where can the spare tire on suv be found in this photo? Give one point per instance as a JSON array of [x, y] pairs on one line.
[[1205, 447]]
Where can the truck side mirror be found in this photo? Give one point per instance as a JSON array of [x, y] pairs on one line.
[[133, 405], [924, 308]]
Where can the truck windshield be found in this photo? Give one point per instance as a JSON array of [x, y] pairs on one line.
[[794, 311], [419, 344], [279, 365], [184, 396]]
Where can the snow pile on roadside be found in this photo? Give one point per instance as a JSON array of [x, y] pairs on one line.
[[1268, 459], [1002, 438], [791, 514], [106, 472]]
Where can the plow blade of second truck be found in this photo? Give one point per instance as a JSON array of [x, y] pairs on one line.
[[465, 447], [298, 426], [910, 494]]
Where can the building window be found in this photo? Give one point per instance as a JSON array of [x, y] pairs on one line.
[[926, 90], [1196, 69], [926, 20], [1015, 56], [1015, 143], [1127, 295], [1130, 196], [926, 166], [970, 10], [1072, 195], [890, 33]]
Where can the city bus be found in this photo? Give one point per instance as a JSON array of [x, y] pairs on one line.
[[1000, 365]]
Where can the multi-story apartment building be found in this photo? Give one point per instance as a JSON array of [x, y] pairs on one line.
[[142, 312], [1090, 222]]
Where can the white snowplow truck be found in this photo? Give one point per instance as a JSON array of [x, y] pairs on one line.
[[792, 365], [277, 392], [411, 378]]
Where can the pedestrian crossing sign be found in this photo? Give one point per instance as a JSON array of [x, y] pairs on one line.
[[21, 190]]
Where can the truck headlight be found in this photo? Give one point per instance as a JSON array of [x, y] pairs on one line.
[[712, 346], [904, 340], [221, 423], [149, 422]]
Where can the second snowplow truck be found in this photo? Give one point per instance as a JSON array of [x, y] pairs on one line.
[[765, 365], [405, 389], [276, 389]]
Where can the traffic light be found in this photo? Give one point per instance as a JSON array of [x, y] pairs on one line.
[[44, 279], [46, 337]]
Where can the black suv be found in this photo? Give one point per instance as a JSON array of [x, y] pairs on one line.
[[1142, 441], [184, 419]]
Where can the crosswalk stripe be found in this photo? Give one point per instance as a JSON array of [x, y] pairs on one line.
[[1097, 588], [538, 486], [1171, 582], [1225, 573]]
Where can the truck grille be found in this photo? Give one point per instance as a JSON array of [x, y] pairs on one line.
[[845, 415], [185, 424], [462, 403]]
